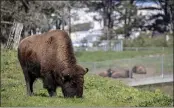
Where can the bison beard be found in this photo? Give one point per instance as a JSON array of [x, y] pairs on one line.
[[50, 57]]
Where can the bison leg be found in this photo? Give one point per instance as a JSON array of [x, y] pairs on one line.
[[52, 92], [29, 81], [50, 84]]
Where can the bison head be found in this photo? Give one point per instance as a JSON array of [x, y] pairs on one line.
[[73, 79]]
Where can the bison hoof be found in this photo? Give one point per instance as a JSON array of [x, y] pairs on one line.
[[30, 94], [52, 94]]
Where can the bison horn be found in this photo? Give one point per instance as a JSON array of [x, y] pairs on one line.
[[87, 70]]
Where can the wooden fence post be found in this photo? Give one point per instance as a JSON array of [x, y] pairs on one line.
[[17, 35], [10, 37], [14, 36]]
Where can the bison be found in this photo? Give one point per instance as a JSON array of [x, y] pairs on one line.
[[139, 69], [50, 57], [108, 73], [121, 73]]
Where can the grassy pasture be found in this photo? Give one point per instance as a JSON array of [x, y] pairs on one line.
[[112, 55], [152, 64], [151, 59], [98, 91]]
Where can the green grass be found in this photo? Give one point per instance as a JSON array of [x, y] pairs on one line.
[[98, 91], [112, 55], [165, 87], [152, 64], [101, 60]]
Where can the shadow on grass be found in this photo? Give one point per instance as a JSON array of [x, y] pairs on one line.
[[45, 95], [41, 94]]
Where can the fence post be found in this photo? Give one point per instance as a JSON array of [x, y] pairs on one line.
[[122, 45], [94, 66], [162, 66], [14, 36], [136, 49], [130, 69], [17, 35]]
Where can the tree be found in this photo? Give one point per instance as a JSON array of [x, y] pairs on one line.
[[33, 14], [166, 23], [130, 17], [168, 6], [20, 12], [126, 11]]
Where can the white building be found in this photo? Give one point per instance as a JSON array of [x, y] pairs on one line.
[[80, 16]]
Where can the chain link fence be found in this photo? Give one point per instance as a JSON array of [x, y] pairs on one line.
[[118, 47], [114, 45], [159, 71], [154, 64], [144, 48]]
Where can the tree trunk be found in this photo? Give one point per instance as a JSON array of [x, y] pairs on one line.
[[125, 24], [108, 23]]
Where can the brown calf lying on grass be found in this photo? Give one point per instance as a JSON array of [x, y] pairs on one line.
[[121, 73], [116, 73], [139, 69]]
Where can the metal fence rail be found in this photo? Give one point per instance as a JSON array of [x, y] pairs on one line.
[[118, 47], [143, 48], [150, 81], [114, 45]]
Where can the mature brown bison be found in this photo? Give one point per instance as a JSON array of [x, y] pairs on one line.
[[139, 69], [108, 73], [50, 56], [121, 73]]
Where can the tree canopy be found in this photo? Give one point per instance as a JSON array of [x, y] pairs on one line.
[[42, 14]]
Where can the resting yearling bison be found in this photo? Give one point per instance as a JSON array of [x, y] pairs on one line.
[[108, 73], [139, 69], [121, 73], [50, 56]]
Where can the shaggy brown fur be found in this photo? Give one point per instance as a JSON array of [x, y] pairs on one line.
[[103, 74], [50, 56], [139, 69], [120, 73], [108, 73]]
